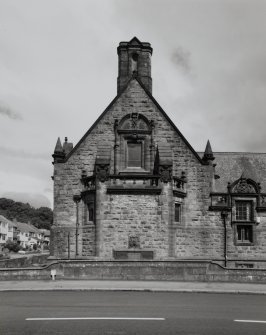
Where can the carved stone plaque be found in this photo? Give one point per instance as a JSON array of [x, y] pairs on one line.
[[133, 242]]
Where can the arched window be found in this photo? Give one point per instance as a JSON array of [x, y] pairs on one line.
[[134, 62], [134, 140], [91, 211], [244, 201]]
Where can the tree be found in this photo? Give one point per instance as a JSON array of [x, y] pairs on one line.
[[41, 218]]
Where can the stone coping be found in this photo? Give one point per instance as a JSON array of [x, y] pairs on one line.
[[133, 263]]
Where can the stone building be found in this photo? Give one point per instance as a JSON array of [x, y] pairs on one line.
[[134, 188]]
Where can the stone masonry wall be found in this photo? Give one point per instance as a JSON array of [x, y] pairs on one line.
[[200, 233], [140, 216], [88, 240]]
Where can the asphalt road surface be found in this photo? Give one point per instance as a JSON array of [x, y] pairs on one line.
[[98, 312]]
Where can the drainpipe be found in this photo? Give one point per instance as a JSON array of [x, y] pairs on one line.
[[68, 245], [224, 215], [77, 199], [115, 147]]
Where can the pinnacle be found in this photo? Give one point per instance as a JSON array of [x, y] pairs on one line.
[[58, 147], [208, 149], [208, 154]]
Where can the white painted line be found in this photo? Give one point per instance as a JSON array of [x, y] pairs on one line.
[[95, 318], [254, 321]]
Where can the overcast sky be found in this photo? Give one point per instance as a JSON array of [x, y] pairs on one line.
[[58, 70]]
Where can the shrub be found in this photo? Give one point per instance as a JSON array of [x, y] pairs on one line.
[[12, 246]]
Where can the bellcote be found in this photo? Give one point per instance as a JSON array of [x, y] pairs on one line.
[[134, 59]]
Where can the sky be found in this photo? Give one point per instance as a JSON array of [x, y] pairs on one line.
[[58, 71]]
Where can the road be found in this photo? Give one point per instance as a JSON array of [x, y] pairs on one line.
[[98, 312]]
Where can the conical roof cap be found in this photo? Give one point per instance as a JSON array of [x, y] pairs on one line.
[[208, 154], [208, 149], [58, 146]]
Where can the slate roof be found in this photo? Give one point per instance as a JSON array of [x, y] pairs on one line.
[[46, 232], [231, 165], [5, 220], [25, 227]]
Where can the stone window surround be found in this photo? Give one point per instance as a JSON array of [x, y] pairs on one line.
[[249, 223], [88, 202], [178, 205], [251, 200], [91, 211], [129, 133], [128, 140], [179, 201], [244, 229], [244, 210]]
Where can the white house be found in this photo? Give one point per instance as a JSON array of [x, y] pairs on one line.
[[24, 234], [4, 222]]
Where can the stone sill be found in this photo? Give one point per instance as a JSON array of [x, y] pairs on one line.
[[134, 171], [129, 189], [244, 244]]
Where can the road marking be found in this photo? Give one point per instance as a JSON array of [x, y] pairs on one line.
[[258, 321], [95, 318]]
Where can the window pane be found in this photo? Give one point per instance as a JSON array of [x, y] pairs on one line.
[[134, 155], [91, 214], [239, 234], [91, 211], [243, 211], [244, 233], [177, 212]]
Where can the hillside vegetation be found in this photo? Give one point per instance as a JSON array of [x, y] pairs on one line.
[[39, 217]]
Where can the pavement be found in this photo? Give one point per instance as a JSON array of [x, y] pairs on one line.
[[116, 285]]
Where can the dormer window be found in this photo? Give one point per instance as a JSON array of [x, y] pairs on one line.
[[243, 221], [243, 211]]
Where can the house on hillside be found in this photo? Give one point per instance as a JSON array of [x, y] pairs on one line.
[[11, 230], [45, 237], [134, 188], [21, 234], [4, 231], [25, 234]]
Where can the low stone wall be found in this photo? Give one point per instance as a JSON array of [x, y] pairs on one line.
[[24, 262], [137, 270]]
